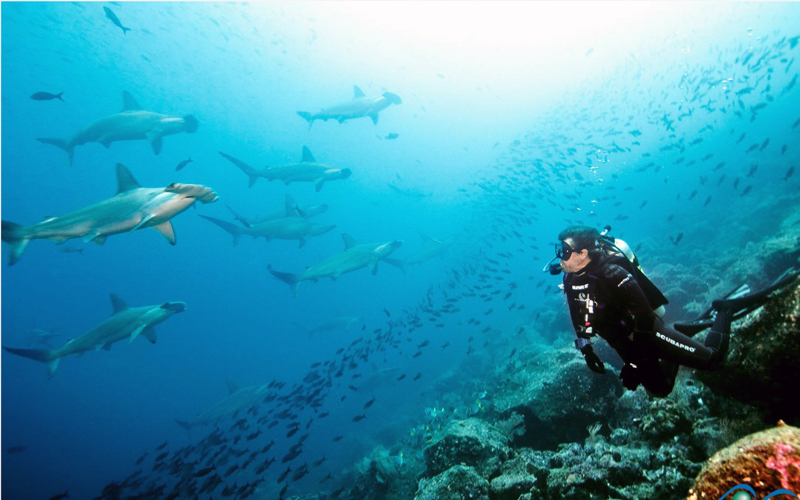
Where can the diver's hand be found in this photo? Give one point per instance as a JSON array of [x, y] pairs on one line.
[[630, 377], [592, 361]]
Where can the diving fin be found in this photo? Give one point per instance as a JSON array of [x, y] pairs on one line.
[[739, 303], [749, 302]]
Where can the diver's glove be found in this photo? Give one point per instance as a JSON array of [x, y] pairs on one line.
[[592, 361], [630, 377]]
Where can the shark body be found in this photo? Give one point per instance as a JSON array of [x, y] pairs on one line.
[[353, 258], [125, 322], [133, 207], [359, 107], [308, 170], [237, 399], [130, 124], [429, 249]]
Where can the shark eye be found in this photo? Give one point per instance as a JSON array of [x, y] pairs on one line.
[[171, 186]]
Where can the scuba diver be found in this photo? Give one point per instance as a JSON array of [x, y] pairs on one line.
[[609, 295]]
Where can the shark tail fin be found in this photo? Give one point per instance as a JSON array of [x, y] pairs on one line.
[[125, 30], [14, 235], [234, 230], [184, 424], [397, 263], [191, 123], [305, 115], [40, 355], [60, 143], [288, 278]]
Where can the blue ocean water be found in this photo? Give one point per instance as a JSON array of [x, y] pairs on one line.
[[516, 120]]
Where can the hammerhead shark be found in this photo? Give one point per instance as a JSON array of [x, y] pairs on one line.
[[359, 107], [353, 258], [237, 399], [133, 207], [429, 249], [125, 322], [130, 124], [307, 170], [289, 227]]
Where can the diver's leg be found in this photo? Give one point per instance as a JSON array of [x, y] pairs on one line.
[[676, 347]]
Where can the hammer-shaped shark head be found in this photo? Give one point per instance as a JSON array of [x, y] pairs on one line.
[[193, 191], [174, 307], [338, 173], [387, 248]]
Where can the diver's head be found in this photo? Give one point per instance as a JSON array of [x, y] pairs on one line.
[[578, 246]]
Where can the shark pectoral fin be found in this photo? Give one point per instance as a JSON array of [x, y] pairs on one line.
[[165, 228], [374, 117], [99, 240], [142, 222], [155, 141], [318, 184], [90, 237], [107, 346], [302, 242], [150, 334], [373, 266], [51, 367], [106, 143], [136, 332]]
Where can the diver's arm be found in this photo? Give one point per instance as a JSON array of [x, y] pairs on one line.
[[629, 295]]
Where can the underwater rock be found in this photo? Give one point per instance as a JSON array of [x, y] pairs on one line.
[[602, 470], [559, 397], [456, 483], [665, 420], [761, 368], [522, 475], [384, 476], [766, 461], [471, 442]]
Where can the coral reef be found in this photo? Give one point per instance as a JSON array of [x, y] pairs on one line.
[[459, 482], [767, 461], [472, 442]]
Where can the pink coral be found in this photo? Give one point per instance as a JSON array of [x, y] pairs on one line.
[[782, 461]]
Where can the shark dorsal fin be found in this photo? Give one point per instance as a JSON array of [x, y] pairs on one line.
[[307, 156], [117, 303], [232, 387], [128, 102], [290, 206], [425, 237], [349, 242], [125, 180], [357, 92]]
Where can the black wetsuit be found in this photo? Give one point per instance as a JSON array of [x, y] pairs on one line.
[[605, 299]]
